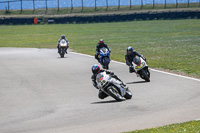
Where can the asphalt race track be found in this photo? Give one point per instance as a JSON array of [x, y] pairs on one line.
[[42, 93]]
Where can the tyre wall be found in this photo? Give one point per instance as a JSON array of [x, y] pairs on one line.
[[103, 18]]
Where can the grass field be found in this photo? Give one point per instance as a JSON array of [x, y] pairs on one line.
[[186, 127], [168, 44]]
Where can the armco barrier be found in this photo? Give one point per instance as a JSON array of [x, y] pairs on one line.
[[106, 18]]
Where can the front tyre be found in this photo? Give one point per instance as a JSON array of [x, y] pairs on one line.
[[128, 94], [113, 92], [145, 76], [62, 52], [106, 62], [62, 55]]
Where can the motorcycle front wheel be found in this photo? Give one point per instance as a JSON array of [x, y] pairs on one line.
[[106, 63], [113, 92], [144, 75], [62, 55], [128, 94]]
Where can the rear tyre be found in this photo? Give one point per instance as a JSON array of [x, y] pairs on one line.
[[128, 94], [113, 92]]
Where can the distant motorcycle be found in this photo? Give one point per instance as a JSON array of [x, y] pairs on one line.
[[104, 57], [63, 46], [112, 87], [141, 68]]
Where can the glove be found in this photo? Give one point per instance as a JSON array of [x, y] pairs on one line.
[[143, 57], [111, 73]]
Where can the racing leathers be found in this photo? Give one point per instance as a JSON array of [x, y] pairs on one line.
[[101, 94]]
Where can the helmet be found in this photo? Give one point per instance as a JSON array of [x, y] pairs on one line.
[[95, 69], [63, 36], [129, 50], [101, 41]]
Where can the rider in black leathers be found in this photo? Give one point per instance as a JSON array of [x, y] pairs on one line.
[[62, 37], [96, 70], [100, 45], [129, 57]]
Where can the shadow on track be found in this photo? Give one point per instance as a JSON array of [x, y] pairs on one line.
[[101, 102], [61, 58], [136, 82]]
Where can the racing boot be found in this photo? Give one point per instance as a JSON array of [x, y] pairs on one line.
[[131, 69]]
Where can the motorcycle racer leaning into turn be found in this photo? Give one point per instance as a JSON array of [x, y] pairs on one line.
[[62, 37], [100, 45], [96, 70], [129, 57]]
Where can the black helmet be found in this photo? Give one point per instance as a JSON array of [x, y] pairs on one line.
[[63, 36], [95, 69], [129, 50]]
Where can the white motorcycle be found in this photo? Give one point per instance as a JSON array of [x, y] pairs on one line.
[[63, 46], [141, 68], [112, 87]]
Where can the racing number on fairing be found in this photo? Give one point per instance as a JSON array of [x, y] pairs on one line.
[[140, 65], [102, 81]]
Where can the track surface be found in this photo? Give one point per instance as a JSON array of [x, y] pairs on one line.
[[42, 93]]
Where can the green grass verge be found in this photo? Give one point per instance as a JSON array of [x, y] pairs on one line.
[[186, 127], [168, 44], [53, 11]]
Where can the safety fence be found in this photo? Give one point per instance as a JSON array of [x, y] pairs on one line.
[[95, 5]]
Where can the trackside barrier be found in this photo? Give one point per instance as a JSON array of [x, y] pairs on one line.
[[35, 20], [50, 21]]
